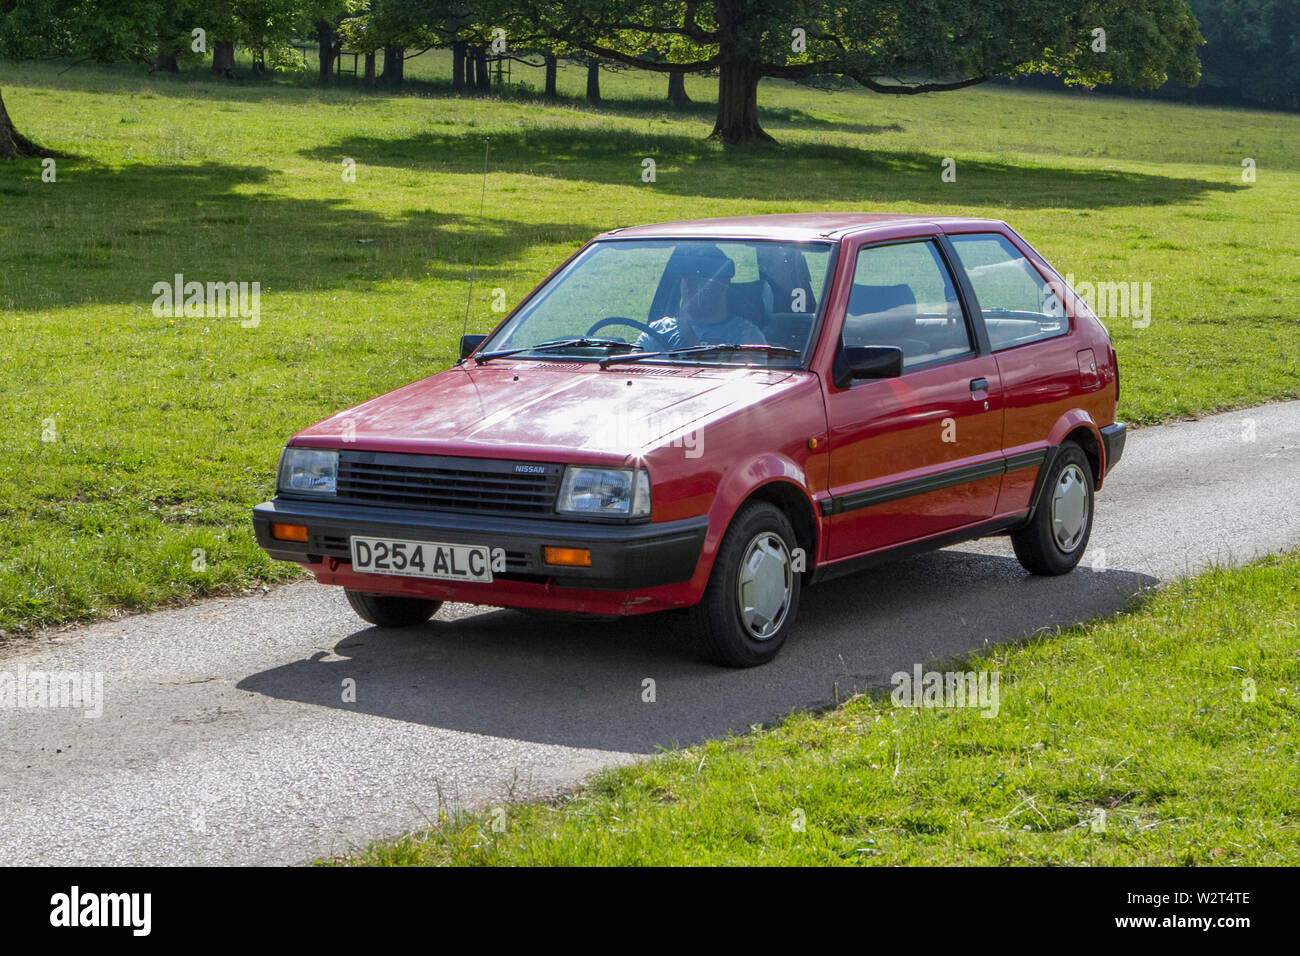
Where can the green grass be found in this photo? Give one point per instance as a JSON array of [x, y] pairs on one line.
[[167, 430], [1142, 718]]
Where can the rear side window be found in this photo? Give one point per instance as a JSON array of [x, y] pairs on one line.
[[1018, 305]]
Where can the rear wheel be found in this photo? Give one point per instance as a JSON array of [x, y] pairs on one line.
[[752, 596], [387, 610], [1057, 535]]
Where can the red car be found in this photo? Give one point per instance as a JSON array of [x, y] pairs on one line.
[[713, 415]]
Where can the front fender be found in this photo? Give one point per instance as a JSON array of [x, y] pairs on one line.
[[739, 484]]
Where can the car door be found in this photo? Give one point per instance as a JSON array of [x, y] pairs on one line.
[[921, 454]]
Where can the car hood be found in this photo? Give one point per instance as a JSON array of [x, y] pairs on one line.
[[534, 409]]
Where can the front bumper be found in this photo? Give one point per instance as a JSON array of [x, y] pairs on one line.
[[1113, 437], [623, 557]]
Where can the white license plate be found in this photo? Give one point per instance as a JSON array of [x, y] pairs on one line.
[[422, 559]]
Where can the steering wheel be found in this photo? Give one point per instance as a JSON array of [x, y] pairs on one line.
[[661, 342]]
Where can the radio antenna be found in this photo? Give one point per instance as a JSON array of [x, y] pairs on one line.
[[478, 230]]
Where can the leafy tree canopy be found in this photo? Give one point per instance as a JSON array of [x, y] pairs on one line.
[[890, 46]]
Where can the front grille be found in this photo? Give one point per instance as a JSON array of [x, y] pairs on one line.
[[450, 484], [331, 546]]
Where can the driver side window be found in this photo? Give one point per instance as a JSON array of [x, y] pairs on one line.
[[903, 296]]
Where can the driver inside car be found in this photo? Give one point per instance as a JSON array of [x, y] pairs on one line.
[[702, 318]]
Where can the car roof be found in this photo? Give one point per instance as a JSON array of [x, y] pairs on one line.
[[792, 226]]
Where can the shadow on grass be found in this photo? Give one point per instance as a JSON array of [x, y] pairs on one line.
[[807, 172], [107, 234], [651, 108]]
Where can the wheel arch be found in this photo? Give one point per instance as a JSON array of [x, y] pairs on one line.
[[1077, 426], [1086, 439], [795, 504]]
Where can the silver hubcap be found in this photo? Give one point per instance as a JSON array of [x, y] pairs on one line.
[[1069, 508], [765, 586]]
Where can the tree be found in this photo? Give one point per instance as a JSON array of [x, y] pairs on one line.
[[551, 62], [173, 35], [1252, 51], [677, 89], [395, 25], [87, 29], [328, 45], [394, 71], [262, 26], [328, 20], [889, 46]]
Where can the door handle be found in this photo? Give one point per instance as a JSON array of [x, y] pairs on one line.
[[979, 385]]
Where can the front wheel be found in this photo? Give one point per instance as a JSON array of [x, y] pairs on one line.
[[752, 596], [1057, 535], [387, 610]]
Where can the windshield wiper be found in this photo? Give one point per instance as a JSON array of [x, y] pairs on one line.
[[697, 349], [582, 342]]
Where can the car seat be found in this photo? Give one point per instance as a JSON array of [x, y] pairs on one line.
[[884, 315]]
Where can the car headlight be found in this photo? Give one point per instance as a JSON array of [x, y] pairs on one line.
[[622, 492], [312, 471]]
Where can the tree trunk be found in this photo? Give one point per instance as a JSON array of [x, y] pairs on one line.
[[738, 103], [677, 89], [458, 65], [394, 66], [370, 68], [223, 59], [165, 61], [325, 38], [551, 61], [481, 75], [593, 81], [14, 144]]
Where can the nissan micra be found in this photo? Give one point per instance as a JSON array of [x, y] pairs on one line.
[[714, 415]]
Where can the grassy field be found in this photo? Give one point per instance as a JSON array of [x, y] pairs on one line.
[[133, 445], [1167, 736]]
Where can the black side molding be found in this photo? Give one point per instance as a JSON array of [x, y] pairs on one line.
[[921, 486]]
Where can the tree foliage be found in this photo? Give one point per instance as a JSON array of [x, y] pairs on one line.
[[1252, 51], [890, 46]]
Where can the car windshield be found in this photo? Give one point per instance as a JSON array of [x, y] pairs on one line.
[[658, 296]]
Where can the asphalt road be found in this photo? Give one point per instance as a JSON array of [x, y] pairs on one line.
[[225, 738]]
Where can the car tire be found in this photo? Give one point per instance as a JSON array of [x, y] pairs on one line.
[[387, 610], [1055, 538], [750, 602]]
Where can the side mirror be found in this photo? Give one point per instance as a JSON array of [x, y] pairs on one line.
[[468, 343], [868, 361]]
